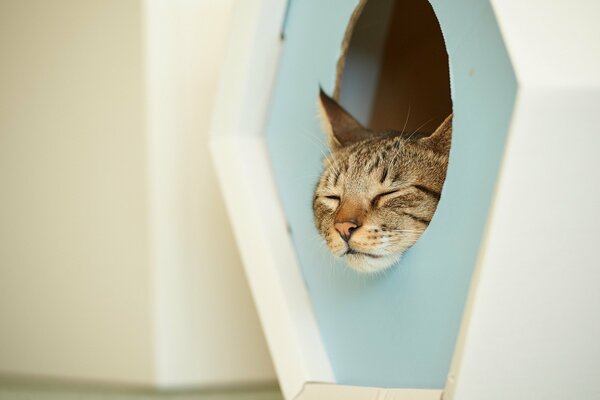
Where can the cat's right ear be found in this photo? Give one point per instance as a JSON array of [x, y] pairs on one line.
[[341, 127], [440, 140]]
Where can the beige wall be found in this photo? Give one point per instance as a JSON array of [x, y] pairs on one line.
[[74, 294], [83, 291]]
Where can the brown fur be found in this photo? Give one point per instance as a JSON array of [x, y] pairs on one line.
[[384, 184]]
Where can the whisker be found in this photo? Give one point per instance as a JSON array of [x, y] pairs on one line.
[[420, 126], [319, 145], [307, 176], [406, 121], [316, 144]]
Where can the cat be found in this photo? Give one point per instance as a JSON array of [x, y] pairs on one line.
[[378, 189]]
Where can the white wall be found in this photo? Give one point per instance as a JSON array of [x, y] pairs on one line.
[[116, 259], [189, 223]]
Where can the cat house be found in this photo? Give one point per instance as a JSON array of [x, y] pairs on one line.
[[472, 310]]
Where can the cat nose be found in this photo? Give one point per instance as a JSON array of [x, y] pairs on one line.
[[346, 228]]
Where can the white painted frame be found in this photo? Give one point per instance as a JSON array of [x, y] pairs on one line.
[[242, 163]]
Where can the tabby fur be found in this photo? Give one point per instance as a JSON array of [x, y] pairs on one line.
[[378, 190]]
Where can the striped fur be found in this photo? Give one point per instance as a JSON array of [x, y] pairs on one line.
[[387, 184]]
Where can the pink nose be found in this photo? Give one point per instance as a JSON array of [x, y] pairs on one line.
[[346, 228]]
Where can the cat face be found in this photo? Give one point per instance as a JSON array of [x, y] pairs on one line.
[[378, 190]]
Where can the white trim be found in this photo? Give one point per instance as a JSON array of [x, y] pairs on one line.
[[242, 164], [322, 391]]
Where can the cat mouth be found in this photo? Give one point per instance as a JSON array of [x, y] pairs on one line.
[[359, 253]]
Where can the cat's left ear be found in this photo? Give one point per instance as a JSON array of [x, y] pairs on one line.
[[342, 128], [439, 141]]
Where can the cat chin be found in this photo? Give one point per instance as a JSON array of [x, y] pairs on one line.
[[370, 265]]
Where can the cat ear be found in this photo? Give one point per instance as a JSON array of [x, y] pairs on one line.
[[439, 141], [341, 127]]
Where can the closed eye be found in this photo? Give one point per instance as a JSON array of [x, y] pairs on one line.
[[376, 199], [331, 201]]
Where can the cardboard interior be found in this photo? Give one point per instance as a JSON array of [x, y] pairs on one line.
[[393, 71]]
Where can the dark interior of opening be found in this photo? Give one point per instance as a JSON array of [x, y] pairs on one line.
[[396, 69]]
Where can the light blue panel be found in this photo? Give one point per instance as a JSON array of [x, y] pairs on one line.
[[457, 18], [397, 329]]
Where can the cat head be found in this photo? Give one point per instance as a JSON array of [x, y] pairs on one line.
[[378, 190]]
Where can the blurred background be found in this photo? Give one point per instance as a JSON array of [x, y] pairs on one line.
[[119, 275]]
